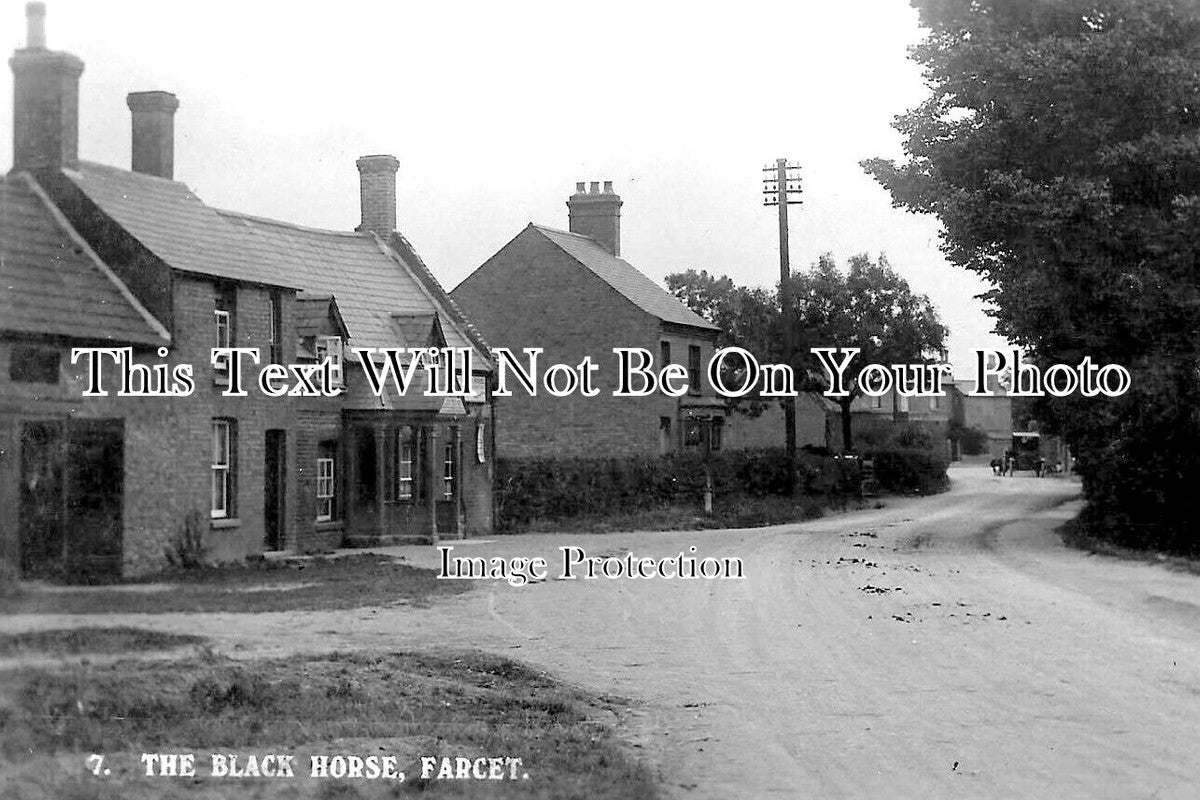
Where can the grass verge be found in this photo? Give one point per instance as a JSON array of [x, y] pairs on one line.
[[294, 585], [74, 641], [407, 705], [1075, 534]]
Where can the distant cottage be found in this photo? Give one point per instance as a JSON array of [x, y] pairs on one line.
[[571, 293], [92, 255]]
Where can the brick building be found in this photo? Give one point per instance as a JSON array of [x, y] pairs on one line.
[[571, 293], [92, 255]]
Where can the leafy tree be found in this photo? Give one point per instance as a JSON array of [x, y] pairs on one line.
[[747, 317], [871, 307], [868, 306], [1060, 147]]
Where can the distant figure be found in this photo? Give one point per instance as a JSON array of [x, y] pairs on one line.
[[997, 466], [1041, 466], [1008, 463]]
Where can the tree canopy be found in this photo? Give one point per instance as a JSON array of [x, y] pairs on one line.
[[1060, 147], [868, 306]]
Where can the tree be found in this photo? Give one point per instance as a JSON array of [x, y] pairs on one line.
[[747, 317], [868, 306], [1060, 147]]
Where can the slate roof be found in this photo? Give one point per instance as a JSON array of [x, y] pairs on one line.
[[625, 278], [52, 283], [371, 283], [170, 221]]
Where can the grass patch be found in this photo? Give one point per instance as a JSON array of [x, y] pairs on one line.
[[265, 585], [745, 512], [92, 640], [1075, 534], [404, 704]]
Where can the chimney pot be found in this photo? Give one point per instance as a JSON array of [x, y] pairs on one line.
[[597, 215], [377, 193], [45, 100], [153, 117], [35, 26], [580, 187]]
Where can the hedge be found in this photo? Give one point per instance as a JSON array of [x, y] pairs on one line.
[[530, 488]]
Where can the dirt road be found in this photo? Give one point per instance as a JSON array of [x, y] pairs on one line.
[[946, 647]]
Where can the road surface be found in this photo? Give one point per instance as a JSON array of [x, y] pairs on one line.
[[942, 647]]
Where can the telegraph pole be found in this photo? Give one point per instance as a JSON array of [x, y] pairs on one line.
[[781, 188]]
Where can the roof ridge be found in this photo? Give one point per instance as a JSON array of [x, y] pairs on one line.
[[433, 286], [225, 212], [690, 319], [567, 233], [146, 175]]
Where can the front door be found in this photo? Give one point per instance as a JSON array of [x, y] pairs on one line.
[[95, 485], [274, 481]]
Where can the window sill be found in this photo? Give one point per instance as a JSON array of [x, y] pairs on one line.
[[222, 523]]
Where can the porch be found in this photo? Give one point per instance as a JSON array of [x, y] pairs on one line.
[[402, 478]]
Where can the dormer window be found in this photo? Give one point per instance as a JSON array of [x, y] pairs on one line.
[[331, 347]]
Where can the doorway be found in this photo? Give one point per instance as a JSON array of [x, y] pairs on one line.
[[72, 497], [274, 491]]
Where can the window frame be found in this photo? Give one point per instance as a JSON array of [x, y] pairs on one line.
[[405, 441], [326, 488], [695, 365], [275, 332], [449, 471], [336, 364], [225, 472]]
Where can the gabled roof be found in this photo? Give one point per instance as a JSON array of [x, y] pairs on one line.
[[370, 282], [314, 310], [53, 284], [625, 278], [419, 330], [174, 224]]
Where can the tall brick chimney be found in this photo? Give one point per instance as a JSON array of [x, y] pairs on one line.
[[597, 214], [153, 132], [45, 100], [377, 193]]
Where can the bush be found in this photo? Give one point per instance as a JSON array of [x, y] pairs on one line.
[[910, 470], [186, 549], [972, 441]]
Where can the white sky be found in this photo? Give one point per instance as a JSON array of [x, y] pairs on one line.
[[496, 109]]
